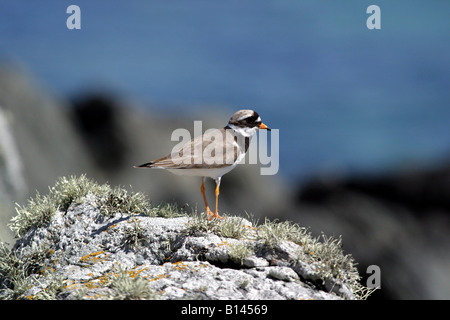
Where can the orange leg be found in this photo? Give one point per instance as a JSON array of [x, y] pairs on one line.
[[216, 215], [209, 213]]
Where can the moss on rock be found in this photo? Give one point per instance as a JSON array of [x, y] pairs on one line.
[[89, 241]]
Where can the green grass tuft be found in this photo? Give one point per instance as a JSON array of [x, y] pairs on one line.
[[73, 189], [40, 210], [325, 252], [229, 227], [126, 287], [239, 251], [166, 210], [234, 227], [120, 200], [134, 236], [15, 269], [272, 232], [199, 223]]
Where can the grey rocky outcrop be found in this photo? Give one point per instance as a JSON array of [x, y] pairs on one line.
[[85, 252]]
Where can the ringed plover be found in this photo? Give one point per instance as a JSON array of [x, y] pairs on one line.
[[214, 153]]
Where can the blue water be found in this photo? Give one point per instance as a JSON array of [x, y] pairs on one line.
[[345, 98]]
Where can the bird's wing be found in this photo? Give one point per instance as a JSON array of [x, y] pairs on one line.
[[203, 151]]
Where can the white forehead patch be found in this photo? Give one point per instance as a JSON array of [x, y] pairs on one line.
[[243, 117], [247, 116]]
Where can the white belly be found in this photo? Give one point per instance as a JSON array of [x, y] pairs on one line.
[[211, 173]]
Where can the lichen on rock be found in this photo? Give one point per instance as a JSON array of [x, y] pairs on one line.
[[97, 242]]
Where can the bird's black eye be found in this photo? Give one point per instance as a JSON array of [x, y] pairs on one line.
[[254, 119]]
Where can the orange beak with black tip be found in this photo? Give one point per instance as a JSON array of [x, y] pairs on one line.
[[263, 126]]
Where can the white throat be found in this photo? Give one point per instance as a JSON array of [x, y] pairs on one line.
[[246, 131]]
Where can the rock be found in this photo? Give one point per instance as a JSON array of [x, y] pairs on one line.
[[254, 261], [88, 252], [283, 273]]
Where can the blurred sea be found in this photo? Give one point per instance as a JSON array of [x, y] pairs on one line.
[[345, 98]]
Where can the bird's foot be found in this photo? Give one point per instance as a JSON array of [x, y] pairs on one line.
[[212, 215]]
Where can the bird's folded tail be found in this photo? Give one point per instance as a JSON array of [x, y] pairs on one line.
[[145, 165]]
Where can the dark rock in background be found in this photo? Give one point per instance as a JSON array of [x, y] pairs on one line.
[[419, 190], [399, 222], [97, 118]]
